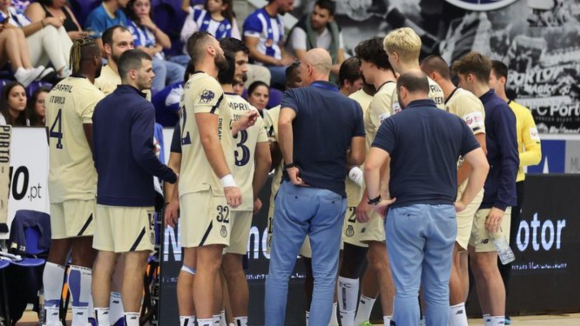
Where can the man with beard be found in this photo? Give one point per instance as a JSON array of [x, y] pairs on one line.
[[126, 163], [318, 30], [116, 40], [264, 36], [72, 182], [210, 190], [311, 200]]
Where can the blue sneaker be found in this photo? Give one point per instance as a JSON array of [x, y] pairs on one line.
[[508, 320]]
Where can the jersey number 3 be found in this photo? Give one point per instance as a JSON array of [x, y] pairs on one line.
[[242, 152]]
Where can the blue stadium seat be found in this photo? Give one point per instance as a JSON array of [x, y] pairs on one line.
[[275, 98], [30, 89]]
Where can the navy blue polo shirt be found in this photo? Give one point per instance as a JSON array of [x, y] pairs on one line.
[[424, 144], [325, 123], [502, 153]]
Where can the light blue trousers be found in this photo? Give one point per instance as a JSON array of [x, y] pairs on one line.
[[302, 211], [420, 242]]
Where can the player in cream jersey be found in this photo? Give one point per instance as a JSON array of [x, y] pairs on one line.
[[467, 106], [207, 190], [252, 164], [72, 182]]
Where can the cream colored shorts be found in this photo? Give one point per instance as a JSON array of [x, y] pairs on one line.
[[480, 239], [124, 229], [72, 218], [205, 220], [240, 232]]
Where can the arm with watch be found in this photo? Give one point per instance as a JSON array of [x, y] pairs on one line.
[[377, 176], [286, 142]]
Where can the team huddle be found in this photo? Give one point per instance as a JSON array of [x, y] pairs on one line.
[[397, 166]]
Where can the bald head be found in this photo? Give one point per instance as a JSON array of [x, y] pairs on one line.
[[320, 60], [415, 81]]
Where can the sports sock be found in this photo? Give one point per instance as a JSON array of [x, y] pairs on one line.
[[116, 311], [307, 317], [223, 320], [486, 319], [347, 299], [186, 320], [364, 309], [102, 315], [79, 282], [52, 279], [205, 322], [216, 319], [497, 320], [387, 320], [457, 315], [242, 321], [131, 319], [333, 318]]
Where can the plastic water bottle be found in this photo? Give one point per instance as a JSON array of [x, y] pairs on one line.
[[504, 252], [356, 175]]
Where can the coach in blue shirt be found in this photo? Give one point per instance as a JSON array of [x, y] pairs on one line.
[[421, 146], [317, 126], [124, 156]]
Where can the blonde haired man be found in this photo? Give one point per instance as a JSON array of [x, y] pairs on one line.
[[403, 47]]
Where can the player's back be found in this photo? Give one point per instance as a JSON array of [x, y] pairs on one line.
[[377, 110], [70, 105], [468, 107], [203, 94]]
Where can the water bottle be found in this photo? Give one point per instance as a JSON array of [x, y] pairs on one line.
[[504, 252], [356, 175], [41, 311]]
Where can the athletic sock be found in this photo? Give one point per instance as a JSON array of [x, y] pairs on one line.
[[307, 317], [116, 311], [497, 320], [223, 320], [102, 315], [216, 319], [131, 319], [387, 320], [457, 315], [242, 321], [205, 322], [347, 299], [52, 279], [365, 307], [79, 282], [486, 319], [186, 320]]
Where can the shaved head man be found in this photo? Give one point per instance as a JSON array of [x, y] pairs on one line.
[[317, 125]]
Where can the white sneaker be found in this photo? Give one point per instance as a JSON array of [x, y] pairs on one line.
[[26, 76]]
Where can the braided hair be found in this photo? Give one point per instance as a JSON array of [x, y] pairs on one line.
[[83, 48]]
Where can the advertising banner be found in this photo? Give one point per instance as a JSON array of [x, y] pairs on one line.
[[28, 175]]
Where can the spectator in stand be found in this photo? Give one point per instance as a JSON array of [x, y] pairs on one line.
[[166, 102], [108, 14], [35, 109], [13, 106], [216, 17], [14, 49], [42, 9], [318, 30], [20, 4], [258, 95], [264, 35], [152, 40], [238, 86], [47, 39]]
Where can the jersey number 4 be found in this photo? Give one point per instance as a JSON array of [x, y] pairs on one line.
[[56, 129]]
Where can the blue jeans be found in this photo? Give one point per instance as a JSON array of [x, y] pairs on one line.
[[302, 211], [420, 242], [166, 73], [278, 79]]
